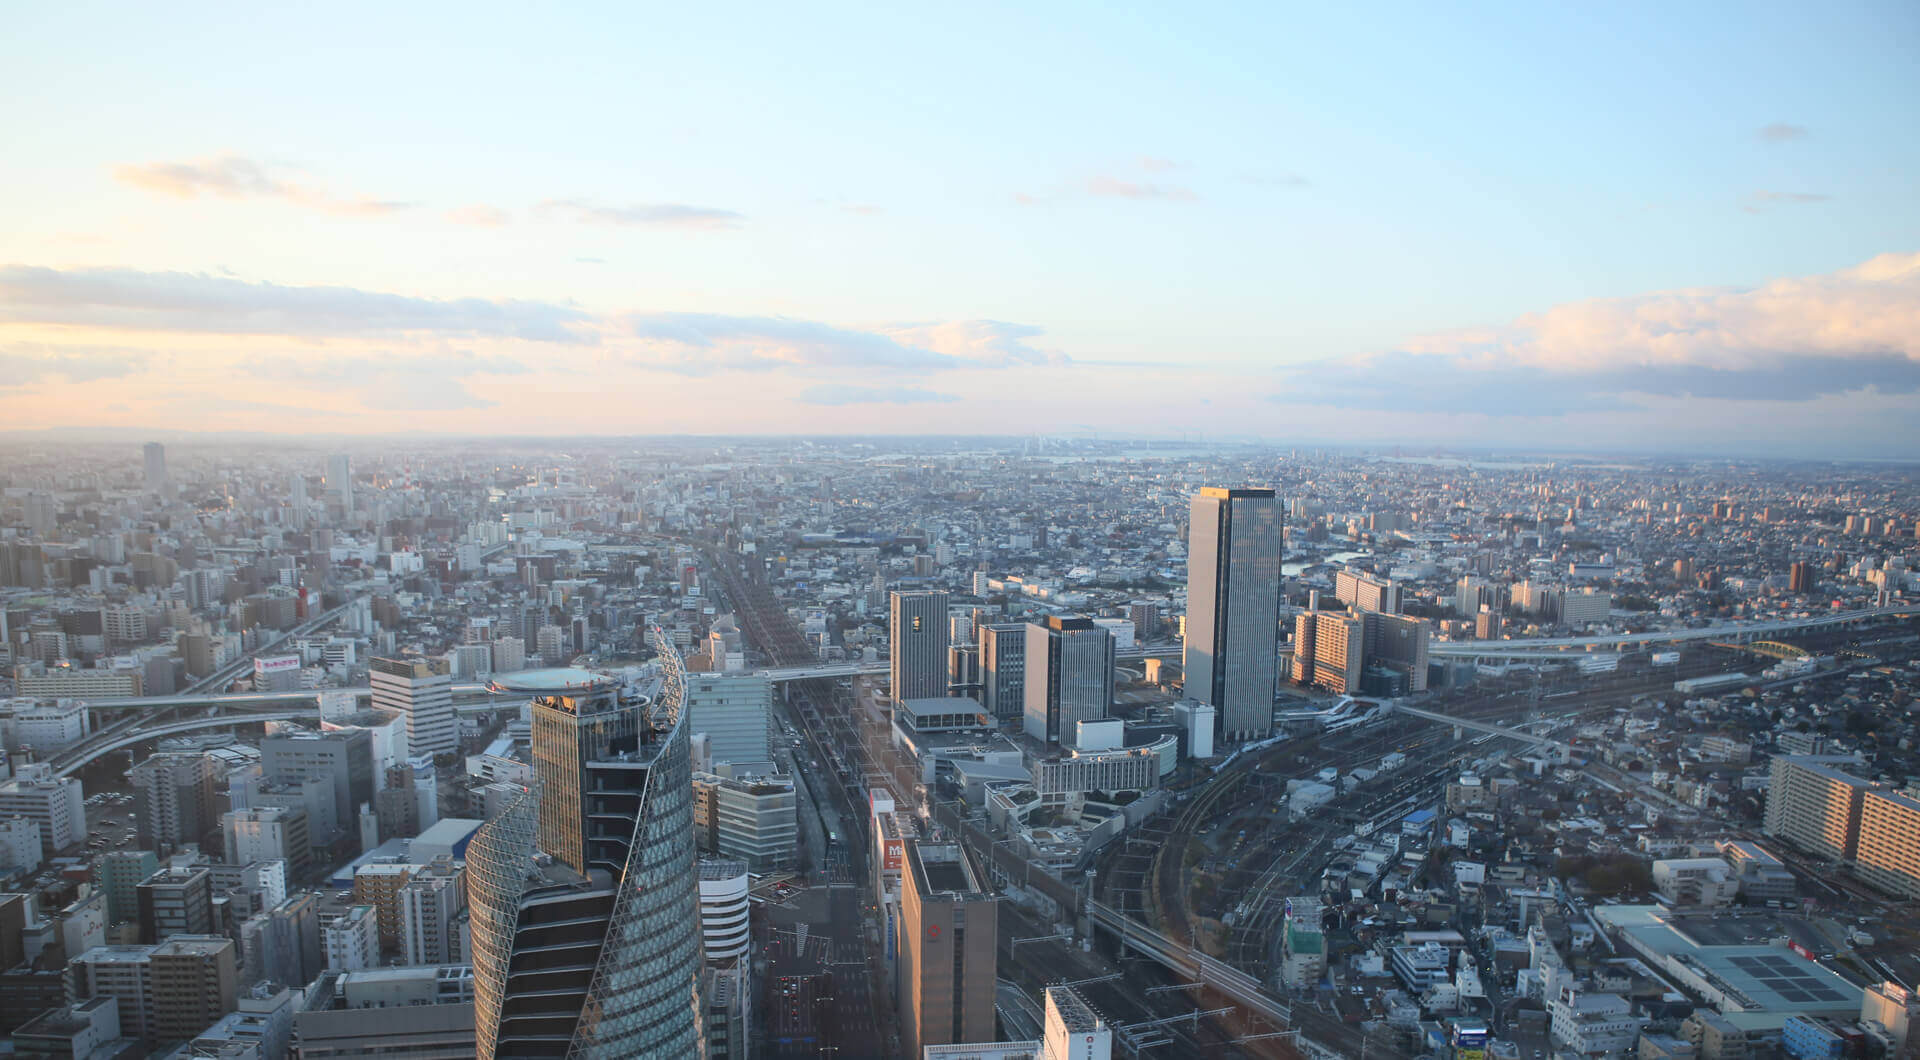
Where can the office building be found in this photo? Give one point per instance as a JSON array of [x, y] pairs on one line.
[[948, 925], [1814, 806], [1233, 607], [1003, 669], [754, 820], [430, 906], [55, 804], [261, 1023], [1069, 677], [422, 1012], [613, 808], [89, 1030], [155, 456], [378, 884], [351, 938], [175, 901], [173, 799], [117, 873], [344, 756], [340, 480], [1800, 578], [46, 727], [723, 910], [168, 992], [917, 639], [274, 833], [734, 711], [1394, 661], [1364, 592], [421, 691]]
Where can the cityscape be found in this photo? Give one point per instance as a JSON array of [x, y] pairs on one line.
[[993, 532], [954, 747]]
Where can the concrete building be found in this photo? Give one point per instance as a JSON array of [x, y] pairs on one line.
[[1069, 677], [753, 820], [378, 885], [948, 924], [420, 690], [261, 1022], [420, 1012], [168, 992], [46, 726], [1887, 855], [175, 901], [735, 711], [1815, 806], [54, 803], [87, 1030], [1364, 592], [917, 639], [723, 910], [343, 755], [173, 799], [270, 834], [118, 873], [1695, 881], [351, 938], [1233, 607], [430, 906], [1003, 669], [1303, 944], [1329, 650]]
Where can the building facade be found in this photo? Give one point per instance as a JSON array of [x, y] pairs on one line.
[[1233, 607]]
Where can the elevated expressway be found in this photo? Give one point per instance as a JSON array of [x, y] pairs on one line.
[[1563, 647]]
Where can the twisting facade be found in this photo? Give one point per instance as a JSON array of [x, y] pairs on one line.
[[593, 950]]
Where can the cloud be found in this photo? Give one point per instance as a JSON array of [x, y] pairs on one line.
[[479, 216], [652, 215], [1111, 187], [843, 394], [1760, 200], [23, 363], [194, 302], [429, 382], [1788, 340], [1157, 165], [1780, 132], [238, 177], [707, 343]]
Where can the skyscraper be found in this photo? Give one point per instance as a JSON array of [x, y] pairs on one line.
[[340, 480], [156, 461], [948, 928], [918, 637], [420, 690], [1233, 606], [1069, 677], [1003, 669], [584, 898]]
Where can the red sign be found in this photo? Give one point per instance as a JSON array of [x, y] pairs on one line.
[[1802, 951]]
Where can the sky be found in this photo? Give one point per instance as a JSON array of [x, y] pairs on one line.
[[1622, 226]]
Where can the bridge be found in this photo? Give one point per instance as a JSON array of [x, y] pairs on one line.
[[1190, 964], [1560, 647], [1480, 726], [74, 759]]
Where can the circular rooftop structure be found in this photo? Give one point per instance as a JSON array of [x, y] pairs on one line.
[[557, 681]]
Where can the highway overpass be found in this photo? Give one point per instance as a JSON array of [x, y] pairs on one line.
[[75, 759], [1561, 647]]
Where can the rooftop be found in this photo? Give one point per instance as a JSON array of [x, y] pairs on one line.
[[549, 682]]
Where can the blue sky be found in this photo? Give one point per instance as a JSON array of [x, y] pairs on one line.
[[1163, 214]]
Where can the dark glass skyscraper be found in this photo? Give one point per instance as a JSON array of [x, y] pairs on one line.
[[1233, 607], [586, 906]]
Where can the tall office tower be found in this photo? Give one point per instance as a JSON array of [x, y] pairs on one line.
[[613, 807], [948, 925], [734, 710], [1364, 592], [340, 480], [173, 799], [156, 458], [918, 636], [1233, 607], [420, 690], [1003, 669], [1800, 578], [1815, 806], [1069, 677]]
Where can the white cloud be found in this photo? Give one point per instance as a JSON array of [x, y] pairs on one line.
[[649, 215], [845, 394], [1787, 340], [238, 177]]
